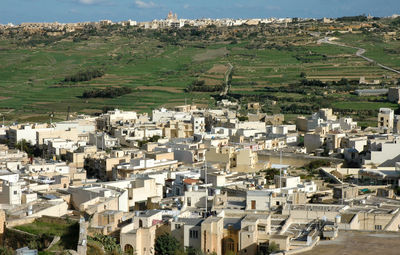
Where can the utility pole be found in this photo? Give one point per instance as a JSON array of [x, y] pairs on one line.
[[102, 141], [280, 170], [205, 180], [68, 111]]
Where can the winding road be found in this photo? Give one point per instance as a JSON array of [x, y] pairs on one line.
[[359, 53], [227, 82]]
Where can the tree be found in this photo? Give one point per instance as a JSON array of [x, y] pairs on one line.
[[6, 250], [272, 247], [28, 148], [193, 251], [166, 245], [314, 165], [109, 243]]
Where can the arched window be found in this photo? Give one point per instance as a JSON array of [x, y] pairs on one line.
[[229, 245], [128, 249]]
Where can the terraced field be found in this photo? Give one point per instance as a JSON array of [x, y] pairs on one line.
[[158, 71]]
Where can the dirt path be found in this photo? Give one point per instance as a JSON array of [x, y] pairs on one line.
[[359, 53]]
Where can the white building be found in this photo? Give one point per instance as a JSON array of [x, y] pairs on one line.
[[103, 140], [199, 126], [42, 167], [11, 193]]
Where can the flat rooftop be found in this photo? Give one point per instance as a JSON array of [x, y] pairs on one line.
[[359, 243]]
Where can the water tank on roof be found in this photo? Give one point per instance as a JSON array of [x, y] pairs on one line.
[[217, 192], [30, 210], [137, 213], [195, 188], [189, 187], [338, 219]]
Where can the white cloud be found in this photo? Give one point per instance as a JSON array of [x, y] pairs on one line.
[[89, 2], [142, 4]]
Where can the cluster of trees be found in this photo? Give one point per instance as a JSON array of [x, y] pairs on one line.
[[152, 139], [30, 149], [314, 165], [359, 18], [86, 75], [109, 92], [109, 243], [306, 87], [4, 250], [38, 40], [312, 83], [396, 22], [199, 86], [270, 173], [298, 109], [341, 85], [310, 57], [360, 113]]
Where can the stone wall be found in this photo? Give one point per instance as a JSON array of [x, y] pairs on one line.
[[292, 159]]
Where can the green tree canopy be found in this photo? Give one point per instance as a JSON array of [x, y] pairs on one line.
[[166, 245]]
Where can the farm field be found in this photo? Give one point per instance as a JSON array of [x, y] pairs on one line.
[[68, 233], [159, 66]]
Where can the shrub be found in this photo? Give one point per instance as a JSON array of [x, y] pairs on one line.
[[109, 92], [83, 76]]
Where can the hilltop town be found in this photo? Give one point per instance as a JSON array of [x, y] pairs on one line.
[[206, 136], [199, 179]]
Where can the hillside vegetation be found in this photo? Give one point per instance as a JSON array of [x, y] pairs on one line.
[[40, 74]]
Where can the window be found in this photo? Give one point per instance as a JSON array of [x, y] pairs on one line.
[[253, 204], [189, 201], [177, 226], [378, 227], [277, 202], [194, 234], [15, 192], [260, 228], [128, 248]]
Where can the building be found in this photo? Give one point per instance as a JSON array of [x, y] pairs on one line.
[[11, 193], [212, 230], [345, 192], [385, 119], [139, 236], [103, 140], [394, 95]]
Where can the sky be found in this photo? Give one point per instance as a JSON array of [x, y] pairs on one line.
[[64, 11]]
